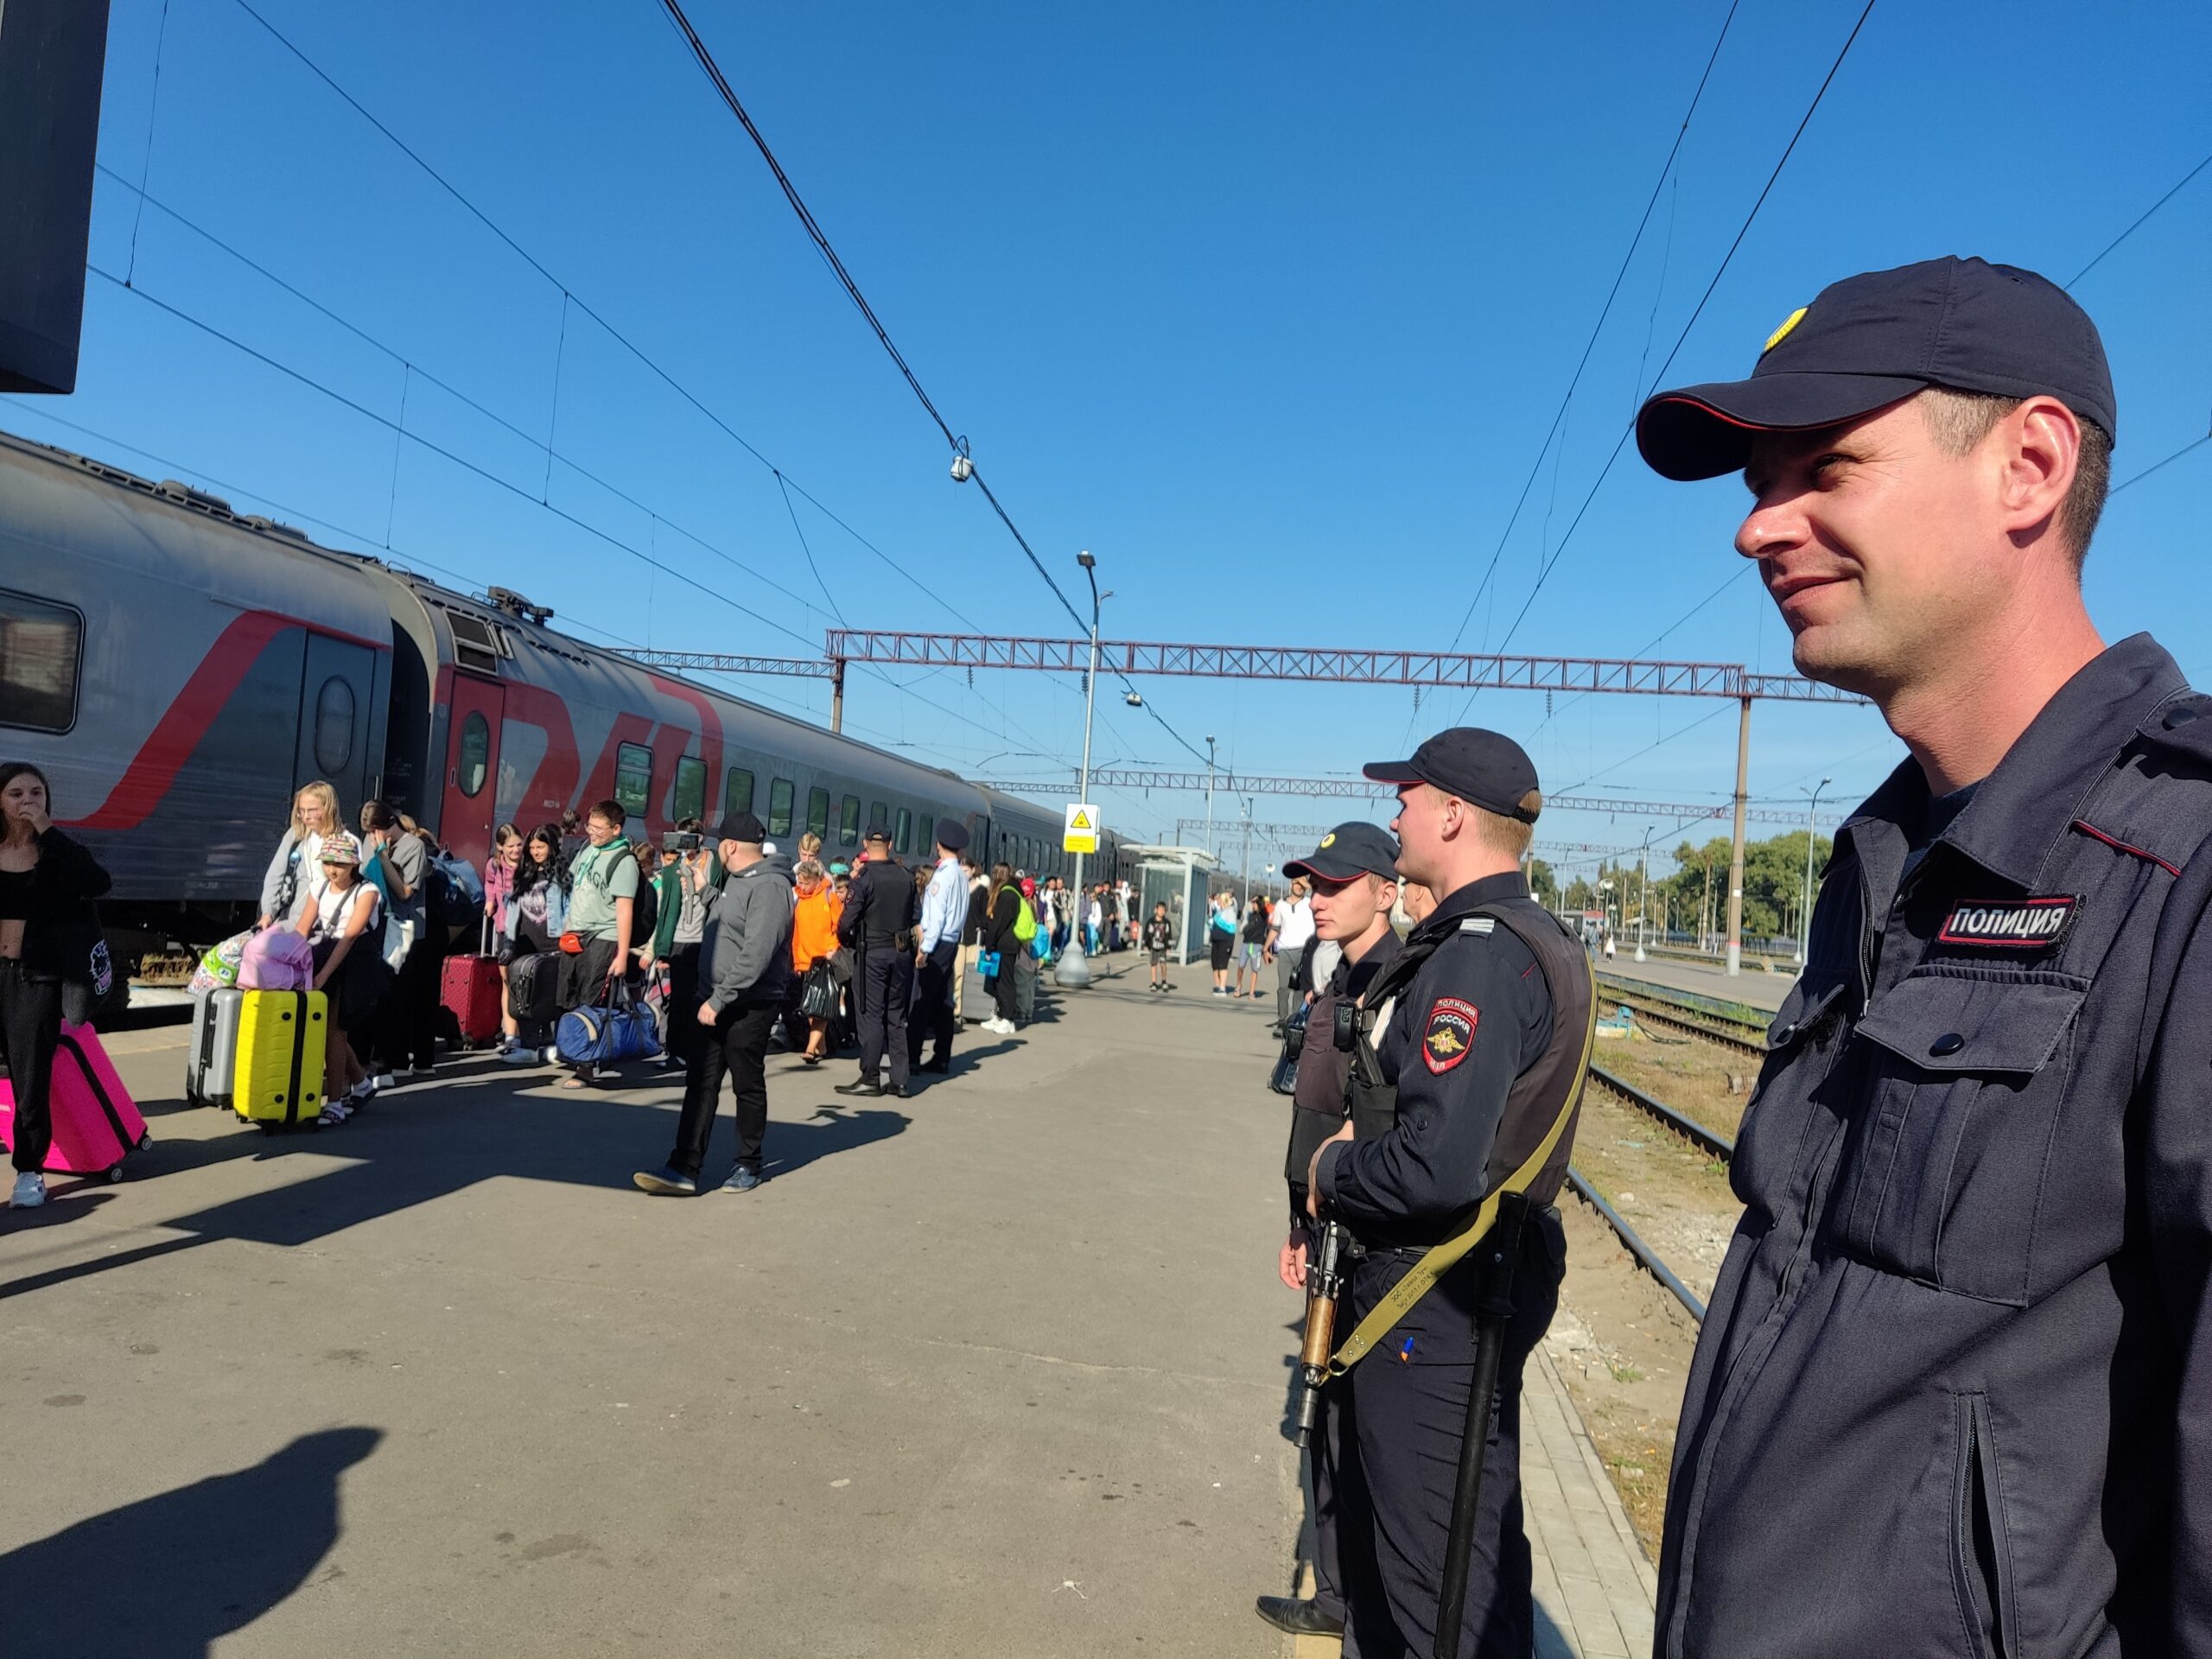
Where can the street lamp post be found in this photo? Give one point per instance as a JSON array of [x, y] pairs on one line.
[[1805, 919], [1643, 899], [1073, 972]]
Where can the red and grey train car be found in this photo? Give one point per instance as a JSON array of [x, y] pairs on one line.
[[179, 669]]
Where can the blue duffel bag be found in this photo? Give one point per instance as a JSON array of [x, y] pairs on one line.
[[608, 1031]]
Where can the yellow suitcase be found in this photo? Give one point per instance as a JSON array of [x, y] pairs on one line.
[[282, 1037]]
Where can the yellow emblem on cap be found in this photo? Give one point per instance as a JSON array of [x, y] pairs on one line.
[[1329, 840], [1783, 332]]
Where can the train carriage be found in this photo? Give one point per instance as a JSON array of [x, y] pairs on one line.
[[178, 669]]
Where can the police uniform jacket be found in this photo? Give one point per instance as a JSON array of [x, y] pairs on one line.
[[883, 906], [1318, 1100], [1476, 1017], [1954, 1394]]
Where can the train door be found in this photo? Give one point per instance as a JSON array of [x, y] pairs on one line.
[[335, 684], [472, 764]]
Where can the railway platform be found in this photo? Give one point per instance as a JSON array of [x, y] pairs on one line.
[[999, 1368]]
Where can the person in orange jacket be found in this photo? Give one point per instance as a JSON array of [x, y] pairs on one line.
[[814, 939]]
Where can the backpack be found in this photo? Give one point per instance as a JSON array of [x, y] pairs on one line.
[[455, 893], [1025, 925]]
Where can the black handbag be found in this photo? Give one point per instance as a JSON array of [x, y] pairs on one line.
[[840, 964]]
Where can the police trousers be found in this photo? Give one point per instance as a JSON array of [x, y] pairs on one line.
[[932, 1020], [883, 984], [1408, 1419]]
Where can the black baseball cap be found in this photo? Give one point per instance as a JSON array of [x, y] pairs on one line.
[[742, 826], [1872, 338], [1349, 849], [878, 831], [1487, 768]]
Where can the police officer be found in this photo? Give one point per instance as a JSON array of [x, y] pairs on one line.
[[1483, 1028], [878, 927], [1955, 1391], [1355, 881]]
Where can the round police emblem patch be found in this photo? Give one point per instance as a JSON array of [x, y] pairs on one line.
[[1449, 1037]]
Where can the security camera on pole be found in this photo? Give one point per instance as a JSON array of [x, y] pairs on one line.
[[1074, 972]]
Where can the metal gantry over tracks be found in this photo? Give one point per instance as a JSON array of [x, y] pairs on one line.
[[1470, 670]]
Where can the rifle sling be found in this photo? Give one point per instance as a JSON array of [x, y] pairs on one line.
[[1440, 1258]]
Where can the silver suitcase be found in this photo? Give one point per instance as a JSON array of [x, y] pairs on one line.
[[211, 1059]]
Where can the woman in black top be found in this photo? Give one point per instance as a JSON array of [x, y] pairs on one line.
[[48, 940], [998, 936]]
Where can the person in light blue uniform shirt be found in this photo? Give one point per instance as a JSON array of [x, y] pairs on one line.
[[937, 953]]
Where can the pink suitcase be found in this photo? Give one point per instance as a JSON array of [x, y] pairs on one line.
[[96, 1123]]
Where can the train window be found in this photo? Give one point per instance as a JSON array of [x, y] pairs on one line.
[[737, 794], [905, 842], [42, 647], [690, 787], [633, 779], [780, 792], [818, 813], [334, 726], [474, 762], [878, 813], [849, 822]]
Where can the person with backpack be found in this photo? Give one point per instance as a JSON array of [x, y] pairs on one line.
[[1003, 941], [1028, 960], [602, 915]]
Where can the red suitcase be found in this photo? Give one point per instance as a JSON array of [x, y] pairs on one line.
[[469, 989], [96, 1123]]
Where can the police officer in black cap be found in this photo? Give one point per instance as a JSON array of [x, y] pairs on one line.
[[1954, 1392], [1354, 879], [878, 927], [1467, 1074]]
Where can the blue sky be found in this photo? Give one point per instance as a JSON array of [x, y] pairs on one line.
[[1268, 307]]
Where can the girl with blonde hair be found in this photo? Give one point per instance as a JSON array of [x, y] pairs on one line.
[[297, 864]]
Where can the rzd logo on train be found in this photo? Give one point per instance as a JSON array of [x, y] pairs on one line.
[[2009, 924], [1450, 1035]]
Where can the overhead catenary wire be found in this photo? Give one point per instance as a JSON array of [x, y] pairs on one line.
[[583, 305], [493, 478], [820, 239], [2142, 220], [1543, 574]]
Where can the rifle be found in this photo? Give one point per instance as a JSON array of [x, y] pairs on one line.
[[1325, 1283]]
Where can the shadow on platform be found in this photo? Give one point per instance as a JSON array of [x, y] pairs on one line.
[[165, 1577], [435, 1139]]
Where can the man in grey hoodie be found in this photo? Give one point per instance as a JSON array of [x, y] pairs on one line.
[[745, 961]]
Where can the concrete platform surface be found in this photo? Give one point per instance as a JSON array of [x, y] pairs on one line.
[[1758, 987], [1001, 1368]]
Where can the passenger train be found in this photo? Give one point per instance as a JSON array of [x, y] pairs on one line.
[[179, 669]]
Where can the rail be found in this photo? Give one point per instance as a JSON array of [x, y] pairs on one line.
[[1688, 1128], [1643, 1253]]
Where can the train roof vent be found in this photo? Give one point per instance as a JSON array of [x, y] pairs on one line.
[[477, 644], [262, 522], [185, 495]]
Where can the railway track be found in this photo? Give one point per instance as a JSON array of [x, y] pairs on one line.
[[1672, 1016], [1707, 1140]]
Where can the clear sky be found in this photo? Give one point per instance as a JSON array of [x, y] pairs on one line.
[[1269, 307]]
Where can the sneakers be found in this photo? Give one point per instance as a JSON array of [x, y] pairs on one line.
[[1221, 990], [30, 1191], [1003, 1028], [668, 1183], [741, 1179], [383, 1080], [521, 1056]]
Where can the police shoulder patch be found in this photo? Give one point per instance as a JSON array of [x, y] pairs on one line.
[[1478, 925], [1449, 1035], [2033, 924]]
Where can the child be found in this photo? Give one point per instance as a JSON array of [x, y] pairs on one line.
[[1159, 935]]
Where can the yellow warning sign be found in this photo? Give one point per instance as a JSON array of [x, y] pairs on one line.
[[1081, 832]]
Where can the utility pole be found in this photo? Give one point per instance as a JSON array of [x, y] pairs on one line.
[[1073, 972], [1209, 841], [1244, 859], [1805, 927], [1736, 849], [1643, 900]]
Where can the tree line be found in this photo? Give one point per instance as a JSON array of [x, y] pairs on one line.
[[1694, 893]]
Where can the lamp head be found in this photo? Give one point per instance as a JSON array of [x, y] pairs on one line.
[[1086, 561]]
